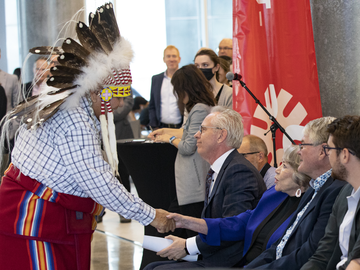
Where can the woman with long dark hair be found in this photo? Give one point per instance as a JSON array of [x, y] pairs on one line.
[[194, 94]]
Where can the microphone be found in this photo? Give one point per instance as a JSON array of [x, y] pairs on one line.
[[233, 77]]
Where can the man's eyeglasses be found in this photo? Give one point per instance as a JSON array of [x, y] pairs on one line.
[[203, 128], [251, 153], [301, 145], [225, 48], [328, 148]]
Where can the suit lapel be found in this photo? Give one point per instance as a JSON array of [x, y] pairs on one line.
[[221, 173], [313, 203]]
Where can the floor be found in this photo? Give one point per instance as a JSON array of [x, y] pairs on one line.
[[117, 245]]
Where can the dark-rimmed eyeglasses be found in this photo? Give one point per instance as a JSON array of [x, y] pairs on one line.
[[224, 48], [301, 145], [203, 128], [328, 148], [251, 153]]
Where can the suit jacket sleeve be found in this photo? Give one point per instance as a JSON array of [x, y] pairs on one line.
[[152, 104], [226, 229], [297, 257], [187, 145]]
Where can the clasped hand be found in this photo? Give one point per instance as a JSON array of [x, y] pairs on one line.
[[176, 250]]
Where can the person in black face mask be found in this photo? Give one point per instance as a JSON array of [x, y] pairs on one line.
[[208, 62]]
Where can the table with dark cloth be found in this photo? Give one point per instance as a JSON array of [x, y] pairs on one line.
[[151, 166]]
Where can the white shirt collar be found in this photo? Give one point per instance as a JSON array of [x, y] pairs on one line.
[[216, 166]]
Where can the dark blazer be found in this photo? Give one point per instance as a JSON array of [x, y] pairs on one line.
[[328, 254], [155, 100], [238, 187], [306, 235]]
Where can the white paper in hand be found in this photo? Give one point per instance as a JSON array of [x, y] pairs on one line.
[[156, 244]]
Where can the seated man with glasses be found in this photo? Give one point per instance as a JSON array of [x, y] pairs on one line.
[[225, 47], [233, 186], [307, 227], [340, 247], [254, 150]]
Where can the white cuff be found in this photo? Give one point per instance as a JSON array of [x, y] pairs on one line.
[[192, 246]]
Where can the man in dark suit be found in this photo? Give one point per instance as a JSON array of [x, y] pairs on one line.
[[307, 227], [234, 187], [340, 247], [163, 108]]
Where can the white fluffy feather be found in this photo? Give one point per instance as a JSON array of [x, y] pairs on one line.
[[98, 68], [112, 137]]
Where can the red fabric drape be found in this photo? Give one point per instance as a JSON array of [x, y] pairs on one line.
[[273, 49]]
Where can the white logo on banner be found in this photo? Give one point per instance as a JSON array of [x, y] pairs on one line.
[[291, 123], [266, 2]]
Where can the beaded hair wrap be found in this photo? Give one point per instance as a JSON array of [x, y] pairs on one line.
[[99, 62]]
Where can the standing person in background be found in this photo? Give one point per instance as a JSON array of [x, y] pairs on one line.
[[193, 92], [225, 47], [163, 107], [41, 70], [208, 62], [254, 150]]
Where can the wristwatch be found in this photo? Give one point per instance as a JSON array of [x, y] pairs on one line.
[[171, 140]]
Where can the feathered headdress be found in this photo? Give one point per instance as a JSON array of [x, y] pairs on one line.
[[99, 62]]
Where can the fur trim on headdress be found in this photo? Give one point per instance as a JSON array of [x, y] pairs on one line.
[[98, 68]]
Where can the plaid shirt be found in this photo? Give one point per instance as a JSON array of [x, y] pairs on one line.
[[64, 154]]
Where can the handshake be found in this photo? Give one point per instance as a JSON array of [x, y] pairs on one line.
[[162, 223], [165, 221]]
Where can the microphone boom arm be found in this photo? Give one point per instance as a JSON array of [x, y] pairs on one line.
[[276, 125]]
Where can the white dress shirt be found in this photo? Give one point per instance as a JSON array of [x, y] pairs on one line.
[[346, 225], [170, 113], [216, 166]]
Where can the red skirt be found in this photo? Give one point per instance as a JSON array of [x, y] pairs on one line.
[[41, 228]]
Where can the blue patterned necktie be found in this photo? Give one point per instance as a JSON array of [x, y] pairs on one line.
[[208, 183]]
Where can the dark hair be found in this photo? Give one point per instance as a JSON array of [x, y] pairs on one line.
[[345, 132], [138, 101], [227, 58], [17, 72], [212, 55], [224, 65], [190, 80]]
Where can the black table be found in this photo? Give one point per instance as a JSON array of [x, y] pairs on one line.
[[151, 166]]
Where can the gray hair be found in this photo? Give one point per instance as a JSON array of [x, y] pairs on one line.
[[231, 121], [292, 158], [317, 129]]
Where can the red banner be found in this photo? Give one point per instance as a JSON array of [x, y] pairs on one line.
[[274, 51]]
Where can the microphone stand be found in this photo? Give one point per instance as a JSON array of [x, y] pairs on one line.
[[276, 125]]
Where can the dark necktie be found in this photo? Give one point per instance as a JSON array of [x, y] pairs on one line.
[[208, 183]]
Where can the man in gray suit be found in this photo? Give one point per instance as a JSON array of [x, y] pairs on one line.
[[340, 246], [233, 187]]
